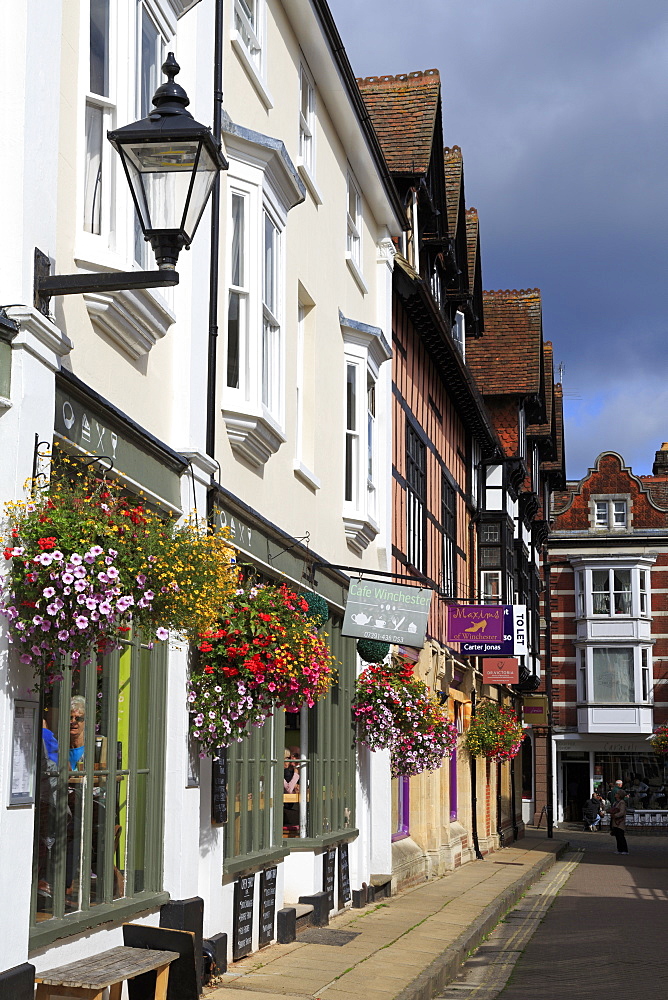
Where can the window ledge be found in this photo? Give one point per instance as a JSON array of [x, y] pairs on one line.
[[252, 72], [134, 320], [304, 473], [115, 913], [360, 531], [254, 437], [310, 183], [357, 274]]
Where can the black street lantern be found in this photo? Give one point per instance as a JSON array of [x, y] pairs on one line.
[[171, 163]]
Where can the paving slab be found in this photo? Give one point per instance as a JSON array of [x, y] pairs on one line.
[[407, 947]]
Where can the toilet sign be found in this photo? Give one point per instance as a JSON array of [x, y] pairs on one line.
[[387, 613]]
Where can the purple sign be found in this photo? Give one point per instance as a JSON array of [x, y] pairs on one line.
[[480, 624]]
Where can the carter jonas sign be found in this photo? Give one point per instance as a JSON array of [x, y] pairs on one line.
[[387, 613]]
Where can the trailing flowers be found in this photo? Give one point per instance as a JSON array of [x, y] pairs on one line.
[[495, 732], [394, 710], [659, 740], [263, 653], [85, 564]]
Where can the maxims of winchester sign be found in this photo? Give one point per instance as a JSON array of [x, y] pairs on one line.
[[387, 613], [488, 629]]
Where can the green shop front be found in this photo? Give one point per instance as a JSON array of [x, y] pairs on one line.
[[280, 828]]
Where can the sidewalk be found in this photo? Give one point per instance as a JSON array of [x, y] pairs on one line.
[[404, 948]]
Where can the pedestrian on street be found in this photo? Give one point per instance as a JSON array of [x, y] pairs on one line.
[[592, 812], [618, 822], [618, 786]]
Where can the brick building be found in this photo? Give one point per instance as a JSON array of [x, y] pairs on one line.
[[607, 579]]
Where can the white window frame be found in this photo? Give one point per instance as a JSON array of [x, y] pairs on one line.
[[459, 330], [521, 432], [365, 351], [640, 596], [354, 223], [491, 586], [610, 513], [306, 163], [100, 238], [248, 35], [146, 8], [642, 673], [259, 171]]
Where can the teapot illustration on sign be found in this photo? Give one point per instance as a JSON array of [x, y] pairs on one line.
[[361, 619]]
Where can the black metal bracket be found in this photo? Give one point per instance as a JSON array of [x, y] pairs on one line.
[[47, 285]]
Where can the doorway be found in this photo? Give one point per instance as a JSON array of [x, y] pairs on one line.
[[575, 789]]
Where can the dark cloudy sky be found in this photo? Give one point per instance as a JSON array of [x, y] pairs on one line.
[[561, 110]]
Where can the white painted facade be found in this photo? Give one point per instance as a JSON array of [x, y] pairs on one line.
[[146, 352]]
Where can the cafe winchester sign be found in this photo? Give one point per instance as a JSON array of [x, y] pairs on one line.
[[488, 629], [387, 613]]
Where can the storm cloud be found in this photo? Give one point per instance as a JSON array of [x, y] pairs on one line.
[[560, 110]]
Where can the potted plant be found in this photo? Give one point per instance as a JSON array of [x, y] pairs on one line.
[[264, 653], [396, 711], [84, 564], [659, 740], [494, 732]]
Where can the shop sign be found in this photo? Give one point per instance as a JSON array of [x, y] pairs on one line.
[[328, 869], [96, 431], [387, 613], [513, 642], [500, 670], [24, 753], [344, 874], [242, 926], [479, 623], [267, 905], [535, 711]]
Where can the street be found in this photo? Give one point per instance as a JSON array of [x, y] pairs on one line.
[[594, 919]]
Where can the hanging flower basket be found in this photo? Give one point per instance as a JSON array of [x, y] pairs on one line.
[[264, 653], [394, 710], [494, 733], [318, 609], [659, 740], [84, 564]]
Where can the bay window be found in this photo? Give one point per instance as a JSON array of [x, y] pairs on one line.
[[614, 675], [263, 186], [612, 591], [365, 350]]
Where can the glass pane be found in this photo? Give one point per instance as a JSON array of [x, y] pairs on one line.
[[613, 676], [269, 365], [600, 591], [99, 47], [619, 513], [81, 730], [161, 176], [204, 178], [150, 62], [622, 591], [602, 513], [233, 340], [270, 264], [93, 169], [351, 400], [238, 225]]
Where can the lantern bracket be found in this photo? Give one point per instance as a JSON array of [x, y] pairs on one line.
[[47, 285]]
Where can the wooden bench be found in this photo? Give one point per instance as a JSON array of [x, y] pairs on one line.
[[90, 977]]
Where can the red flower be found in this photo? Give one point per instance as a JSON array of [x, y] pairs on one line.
[[8, 553], [205, 647], [47, 543], [208, 670], [264, 617], [230, 671]]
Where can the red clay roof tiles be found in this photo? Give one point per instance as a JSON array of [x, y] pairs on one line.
[[403, 110], [454, 169], [507, 360], [472, 244]]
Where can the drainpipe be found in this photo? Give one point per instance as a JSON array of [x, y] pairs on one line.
[[474, 791], [215, 238], [548, 690], [499, 805]]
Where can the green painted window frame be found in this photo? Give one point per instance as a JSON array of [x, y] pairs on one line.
[[151, 895], [332, 751], [260, 830]]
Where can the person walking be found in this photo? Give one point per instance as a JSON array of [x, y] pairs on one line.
[[618, 822], [592, 812]]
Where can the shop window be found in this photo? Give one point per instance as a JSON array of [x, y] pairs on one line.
[[416, 500], [98, 827], [255, 783]]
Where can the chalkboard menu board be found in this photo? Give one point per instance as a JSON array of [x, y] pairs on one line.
[[344, 874], [242, 928], [219, 789], [267, 905], [329, 867]]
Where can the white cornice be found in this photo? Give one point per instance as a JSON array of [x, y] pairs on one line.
[[134, 320], [39, 336]]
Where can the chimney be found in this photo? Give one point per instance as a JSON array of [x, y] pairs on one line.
[[660, 467]]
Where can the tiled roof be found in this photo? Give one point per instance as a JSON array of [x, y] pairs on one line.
[[454, 169], [545, 427], [472, 244], [559, 464], [403, 110], [507, 360]]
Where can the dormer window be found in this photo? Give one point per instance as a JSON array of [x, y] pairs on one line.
[[610, 513]]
